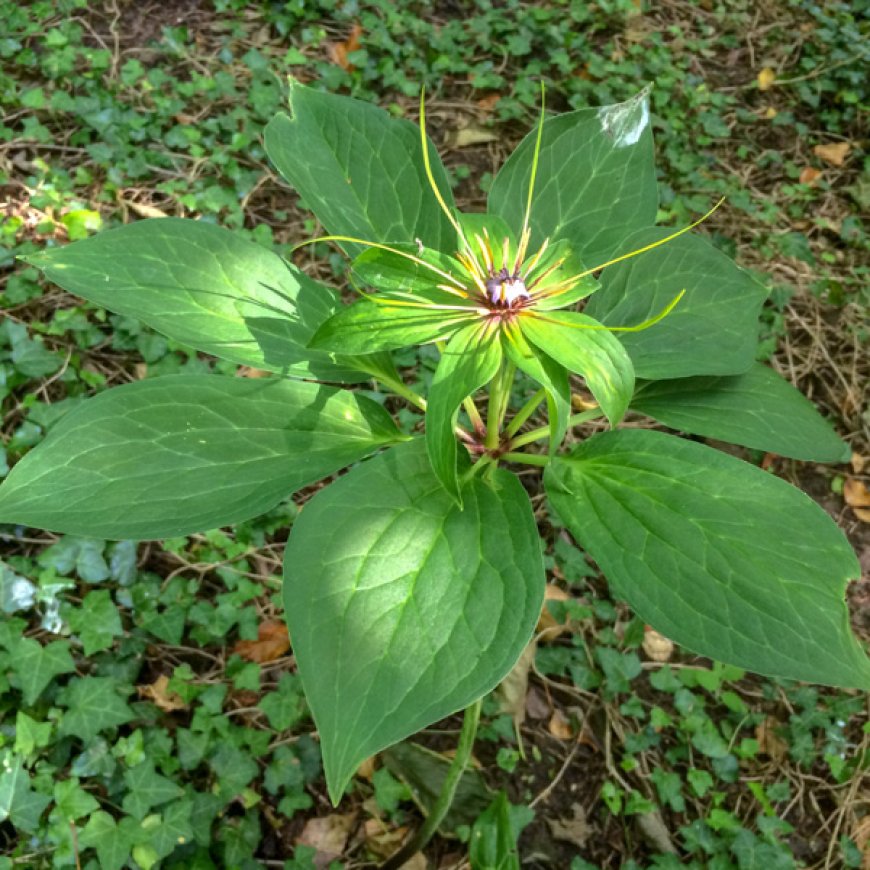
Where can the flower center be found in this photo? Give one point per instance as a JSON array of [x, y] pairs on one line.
[[505, 289]]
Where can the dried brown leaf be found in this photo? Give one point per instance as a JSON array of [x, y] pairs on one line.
[[575, 830], [512, 689], [144, 210], [338, 51], [271, 643], [471, 135], [834, 153], [328, 836], [549, 628], [160, 694], [559, 726], [769, 742], [809, 175], [856, 493], [657, 647]]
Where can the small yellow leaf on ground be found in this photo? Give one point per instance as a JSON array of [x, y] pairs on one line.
[[809, 175], [766, 78], [858, 462], [658, 647], [856, 493], [271, 643], [834, 153], [863, 514], [159, 693]]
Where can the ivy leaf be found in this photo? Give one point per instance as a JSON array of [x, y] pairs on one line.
[[359, 170], [285, 707], [112, 840], [206, 287], [593, 353], [403, 608], [219, 451], [758, 409], [714, 553], [147, 789], [596, 179], [97, 622], [174, 829], [468, 362], [93, 705], [713, 330], [37, 665], [18, 801], [72, 801]]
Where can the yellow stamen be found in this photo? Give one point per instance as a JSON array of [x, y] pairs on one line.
[[487, 254], [547, 272], [646, 324], [535, 158], [535, 259], [431, 178], [649, 247], [381, 247]]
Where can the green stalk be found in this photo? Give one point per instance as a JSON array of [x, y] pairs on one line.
[[527, 458], [544, 431], [473, 415], [403, 390], [436, 815], [525, 412], [499, 395]]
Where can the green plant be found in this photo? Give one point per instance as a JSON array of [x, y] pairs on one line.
[[413, 582]]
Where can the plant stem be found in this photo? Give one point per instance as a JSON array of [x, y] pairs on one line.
[[499, 395], [544, 431], [473, 415], [403, 390], [525, 412], [436, 815], [527, 458]]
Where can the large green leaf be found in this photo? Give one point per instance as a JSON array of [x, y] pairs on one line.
[[206, 287], [756, 409], [359, 170], [367, 326], [596, 179], [402, 607], [715, 553], [593, 352], [469, 362], [713, 330], [182, 453]]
